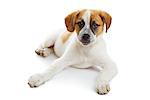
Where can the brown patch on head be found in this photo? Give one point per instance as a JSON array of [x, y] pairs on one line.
[[99, 18], [106, 19], [65, 36], [79, 20], [72, 19]]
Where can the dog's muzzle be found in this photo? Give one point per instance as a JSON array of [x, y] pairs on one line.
[[85, 39]]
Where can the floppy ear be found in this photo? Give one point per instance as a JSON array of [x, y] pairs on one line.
[[106, 19], [70, 21]]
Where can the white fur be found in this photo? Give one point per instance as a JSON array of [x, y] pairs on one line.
[[72, 53]]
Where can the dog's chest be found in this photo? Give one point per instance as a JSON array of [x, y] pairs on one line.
[[85, 63], [85, 59]]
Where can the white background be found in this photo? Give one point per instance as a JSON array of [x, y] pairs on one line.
[[24, 24]]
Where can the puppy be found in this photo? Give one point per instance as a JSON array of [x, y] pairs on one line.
[[82, 46]]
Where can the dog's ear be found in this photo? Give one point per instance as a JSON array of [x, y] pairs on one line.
[[70, 21], [106, 19]]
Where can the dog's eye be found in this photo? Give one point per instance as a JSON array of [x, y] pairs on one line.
[[94, 25], [81, 24]]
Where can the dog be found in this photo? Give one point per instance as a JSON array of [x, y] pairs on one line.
[[81, 46]]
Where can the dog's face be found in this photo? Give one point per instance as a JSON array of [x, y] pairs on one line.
[[88, 24]]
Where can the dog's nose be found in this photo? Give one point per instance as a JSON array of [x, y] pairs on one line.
[[86, 37]]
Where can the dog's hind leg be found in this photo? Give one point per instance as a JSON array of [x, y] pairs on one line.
[[46, 48]]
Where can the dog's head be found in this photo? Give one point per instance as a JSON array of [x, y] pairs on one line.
[[88, 24]]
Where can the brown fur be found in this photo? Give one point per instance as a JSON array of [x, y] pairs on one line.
[[79, 18], [72, 19], [106, 19], [95, 17], [100, 17]]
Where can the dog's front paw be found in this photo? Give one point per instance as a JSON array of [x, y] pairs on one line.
[[36, 80], [44, 52], [103, 88]]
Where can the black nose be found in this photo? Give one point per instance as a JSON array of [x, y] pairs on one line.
[[86, 37]]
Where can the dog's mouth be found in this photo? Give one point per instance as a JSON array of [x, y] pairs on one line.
[[85, 42]]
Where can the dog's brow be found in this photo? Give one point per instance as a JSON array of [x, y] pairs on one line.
[[86, 18]]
